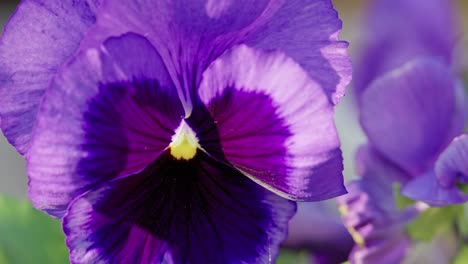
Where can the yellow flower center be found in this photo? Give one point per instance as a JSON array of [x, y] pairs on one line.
[[184, 143]]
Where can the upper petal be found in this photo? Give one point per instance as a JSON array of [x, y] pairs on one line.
[[408, 114], [109, 113], [275, 124], [197, 211], [190, 35], [40, 36], [308, 32]]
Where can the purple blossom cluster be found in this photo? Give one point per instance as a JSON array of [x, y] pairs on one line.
[[185, 132], [413, 110]]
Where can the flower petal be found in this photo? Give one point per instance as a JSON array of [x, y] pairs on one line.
[[39, 37], [108, 114], [196, 211], [275, 124], [190, 35], [388, 251], [397, 31], [452, 165], [373, 220], [407, 114], [426, 188], [438, 187], [308, 32]]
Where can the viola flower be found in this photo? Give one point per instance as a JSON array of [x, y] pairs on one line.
[[370, 213], [181, 131], [422, 107], [397, 31], [409, 115]]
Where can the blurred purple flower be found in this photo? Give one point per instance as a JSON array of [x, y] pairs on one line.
[[410, 115], [397, 31], [370, 213], [421, 107], [411, 107], [317, 228], [177, 128]]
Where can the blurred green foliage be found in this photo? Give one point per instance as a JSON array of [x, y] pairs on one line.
[[29, 236], [293, 257], [433, 221], [462, 257]]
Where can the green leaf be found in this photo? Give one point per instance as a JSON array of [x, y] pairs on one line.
[[462, 256], [29, 236], [434, 221], [291, 256], [462, 222], [400, 200]]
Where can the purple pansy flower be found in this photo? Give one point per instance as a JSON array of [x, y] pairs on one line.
[[421, 107], [370, 213], [411, 107], [178, 129], [410, 116]]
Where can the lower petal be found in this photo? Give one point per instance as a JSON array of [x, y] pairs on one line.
[[426, 188], [196, 211]]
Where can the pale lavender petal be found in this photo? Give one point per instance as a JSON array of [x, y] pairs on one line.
[[40, 36], [109, 113], [308, 32], [196, 211], [407, 113], [275, 124]]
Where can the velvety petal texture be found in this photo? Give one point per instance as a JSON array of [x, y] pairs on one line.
[[196, 211], [397, 31], [275, 124], [109, 113], [190, 35], [38, 39], [414, 107]]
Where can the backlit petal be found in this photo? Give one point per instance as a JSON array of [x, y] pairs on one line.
[[275, 124]]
